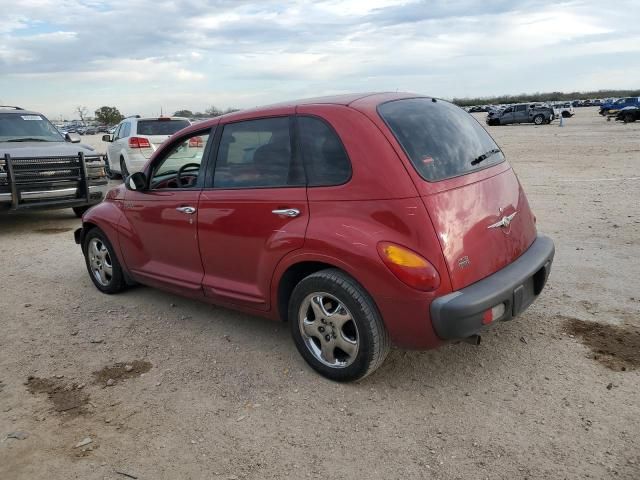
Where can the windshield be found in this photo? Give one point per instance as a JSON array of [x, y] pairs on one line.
[[161, 127], [27, 127], [440, 139]]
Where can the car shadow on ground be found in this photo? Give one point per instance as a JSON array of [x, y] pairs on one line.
[[459, 365]]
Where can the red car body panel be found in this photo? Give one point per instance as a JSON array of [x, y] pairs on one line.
[[242, 241], [235, 251]]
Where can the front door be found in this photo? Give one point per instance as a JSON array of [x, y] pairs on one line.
[[254, 213], [521, 114], [160, 238], [507, 116]]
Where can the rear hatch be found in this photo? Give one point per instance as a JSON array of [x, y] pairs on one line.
[[476, 204], [157, 131]]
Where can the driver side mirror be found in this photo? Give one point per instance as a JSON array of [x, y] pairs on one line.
[[72, 137], [136, 181], [106, 138]]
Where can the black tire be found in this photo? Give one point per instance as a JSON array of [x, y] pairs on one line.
[[123, 169], [107, 168], [79, 211], [629, 117], [115, 282], [538, 119], [366, 327]]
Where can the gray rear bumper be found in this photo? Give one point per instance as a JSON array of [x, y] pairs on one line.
[[459, 314]]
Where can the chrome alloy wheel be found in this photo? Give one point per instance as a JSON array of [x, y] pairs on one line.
[[328, 330], [100, 262]]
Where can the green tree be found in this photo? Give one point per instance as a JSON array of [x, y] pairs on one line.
[[183, 113], [108, 115]]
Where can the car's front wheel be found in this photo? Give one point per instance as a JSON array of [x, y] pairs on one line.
[[102, 264], [123, 169], [629, 117], [336, 326], [107, 168]]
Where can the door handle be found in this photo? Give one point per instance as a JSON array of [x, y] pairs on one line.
[[286, 212], [188, 210]]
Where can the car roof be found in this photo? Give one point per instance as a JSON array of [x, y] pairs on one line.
[[348, 99], [17, 110]]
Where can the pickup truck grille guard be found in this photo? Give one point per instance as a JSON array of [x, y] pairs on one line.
[[48, 181]]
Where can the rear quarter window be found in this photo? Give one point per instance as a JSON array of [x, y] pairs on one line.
[[325, 159], [441, 140]]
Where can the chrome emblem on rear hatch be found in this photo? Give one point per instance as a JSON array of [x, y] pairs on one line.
[[504, 222]]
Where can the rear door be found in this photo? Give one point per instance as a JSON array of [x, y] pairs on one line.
[[473, 197], [254, 212]]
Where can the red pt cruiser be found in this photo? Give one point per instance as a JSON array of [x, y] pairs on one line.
[[361, 220]]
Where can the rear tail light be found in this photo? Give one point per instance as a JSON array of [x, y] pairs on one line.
[[409, 267], [195, 142], [139, 142]]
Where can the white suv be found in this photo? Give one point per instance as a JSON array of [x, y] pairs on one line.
[[135, 139]]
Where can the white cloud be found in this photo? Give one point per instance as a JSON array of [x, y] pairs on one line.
[[241, 53]]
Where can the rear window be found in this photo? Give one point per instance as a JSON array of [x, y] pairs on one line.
[[160, 127], [440, 139]]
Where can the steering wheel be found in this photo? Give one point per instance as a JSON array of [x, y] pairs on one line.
[[182, 169]]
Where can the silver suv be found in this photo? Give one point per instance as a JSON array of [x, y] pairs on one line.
[[135, 139], [537, 113], [41, 168]]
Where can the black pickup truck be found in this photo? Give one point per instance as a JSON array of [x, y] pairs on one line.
[[41, 168]]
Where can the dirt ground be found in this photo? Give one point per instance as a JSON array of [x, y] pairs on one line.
[[152, 386]]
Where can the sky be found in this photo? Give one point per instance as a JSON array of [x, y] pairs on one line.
[[142, 56]]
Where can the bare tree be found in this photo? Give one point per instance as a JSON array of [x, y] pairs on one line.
[[82, 112]]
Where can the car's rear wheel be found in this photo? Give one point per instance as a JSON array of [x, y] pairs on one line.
[[102, 264], [538, 119], [629, 117], [336, 326], [123, 169]]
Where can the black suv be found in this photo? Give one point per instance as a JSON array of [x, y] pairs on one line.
[[41, 168]]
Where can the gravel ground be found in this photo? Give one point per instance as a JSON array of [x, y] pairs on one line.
[[150, 385]]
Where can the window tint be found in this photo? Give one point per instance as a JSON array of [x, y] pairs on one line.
[[126, 130], [325, 159], [521, 108], [257, 153], [440, 139], [161, 127], [186, 155]]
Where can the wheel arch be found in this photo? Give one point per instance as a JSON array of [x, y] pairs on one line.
[[292, 275]]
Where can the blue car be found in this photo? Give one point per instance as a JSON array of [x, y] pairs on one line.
[[617, 105]]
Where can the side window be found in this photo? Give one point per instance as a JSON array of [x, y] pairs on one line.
[[325, 158], [257, 153], [125, 130], [116, 134], [521, 108], [180, 167], [508, 110]]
